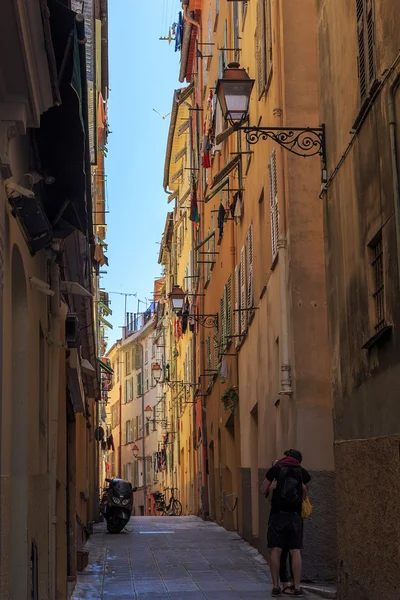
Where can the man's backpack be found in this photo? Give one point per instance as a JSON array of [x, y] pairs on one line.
[[289, 489]]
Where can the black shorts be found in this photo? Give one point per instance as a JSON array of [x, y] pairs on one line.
[[285, 530]]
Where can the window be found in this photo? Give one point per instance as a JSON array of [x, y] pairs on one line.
[[366, 46], [379, 288], [138, 385], [237, 306], [146, 379], [236, 31], [154, 419], [128, 390], [146, 355], [128, 432], [115, 415], [263, 45], [250, 273], [127, 362], [243, 291], [226, 316], [209, 359], [148, 469], [273, 202]]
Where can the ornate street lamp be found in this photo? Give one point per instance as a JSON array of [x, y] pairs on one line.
[[234, 91], [177, 297], [156, 371]]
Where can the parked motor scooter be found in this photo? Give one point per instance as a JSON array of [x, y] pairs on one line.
[[117, 503]]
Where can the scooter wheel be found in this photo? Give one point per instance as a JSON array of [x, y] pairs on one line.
[[115, 525]]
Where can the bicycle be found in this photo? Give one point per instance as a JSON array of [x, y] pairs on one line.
[[161, 509]]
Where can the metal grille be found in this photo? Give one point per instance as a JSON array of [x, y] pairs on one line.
[[379, 300]]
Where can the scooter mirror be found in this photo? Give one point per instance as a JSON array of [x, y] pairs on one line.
[[134, 489], [108, 480]]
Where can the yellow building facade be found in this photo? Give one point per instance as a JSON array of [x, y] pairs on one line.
[[262, 375]]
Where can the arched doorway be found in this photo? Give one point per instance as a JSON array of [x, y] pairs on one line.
[[19, 430]]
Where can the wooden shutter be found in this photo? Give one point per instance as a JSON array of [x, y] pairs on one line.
[[260, 47], [135, 435], [136, 473], [237, 305], [243, 291], [273, 202], [366, 45], [250, 269], [268, 43], [208, 357], [229, 308], [222, 332]]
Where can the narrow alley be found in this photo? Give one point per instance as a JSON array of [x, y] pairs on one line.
[[172, 558]]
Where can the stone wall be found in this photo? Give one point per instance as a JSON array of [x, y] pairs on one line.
[[368, 508]]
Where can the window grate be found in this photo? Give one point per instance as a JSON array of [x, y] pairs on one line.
[[379, 299]]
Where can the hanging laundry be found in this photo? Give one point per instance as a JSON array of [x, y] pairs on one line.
[[223, 370], [221, 219], [194, 209], [185, 316], [206, 163], [238, 209], [178, 32], [232, 207]]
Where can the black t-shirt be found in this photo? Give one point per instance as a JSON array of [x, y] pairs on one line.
[[272, 474]]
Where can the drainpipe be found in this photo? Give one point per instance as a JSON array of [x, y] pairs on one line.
[[57, 319], [286, 382], [120, 433], [186, 16], [144, 434], [394, 155]]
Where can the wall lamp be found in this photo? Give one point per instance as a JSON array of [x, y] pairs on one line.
[[234, 90], [177, 297]]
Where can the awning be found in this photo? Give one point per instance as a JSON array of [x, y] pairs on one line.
[[61, 136], [105, 367], [105, 322], [216, 189], [226, 170]]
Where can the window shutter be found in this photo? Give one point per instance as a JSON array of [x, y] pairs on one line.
[[136, 473], [135, 435], [250, 270], [274, 209], [268, 48], [260, 47], [131, 429], [140, 427], [361, 48], [366, 45], [237, 305], [228, 315], [208, 354], [222, 332], [243, 291]]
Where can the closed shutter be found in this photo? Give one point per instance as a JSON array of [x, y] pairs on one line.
[[250, 269], [135, 435], [208, 358], [131, 429], [222, 332], [243, 290], [237, 305], [273, 200], [366, 45], [140, 427], [229, 309], [260, 47]]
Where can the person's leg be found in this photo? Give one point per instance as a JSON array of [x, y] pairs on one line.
[[283, 574], [295, 543], [275, 563], [275, 544], [296, 566]]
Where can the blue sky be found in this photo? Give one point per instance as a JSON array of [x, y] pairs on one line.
[[143, 74]]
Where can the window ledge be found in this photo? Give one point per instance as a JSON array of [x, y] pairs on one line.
[[378, 337], [274, 262]]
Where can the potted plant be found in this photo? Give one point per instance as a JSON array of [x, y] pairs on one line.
[[230, 399]]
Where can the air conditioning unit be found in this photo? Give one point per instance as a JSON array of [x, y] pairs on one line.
[[72, 330]]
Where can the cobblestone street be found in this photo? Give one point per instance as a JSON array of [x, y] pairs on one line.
[[172, 558]]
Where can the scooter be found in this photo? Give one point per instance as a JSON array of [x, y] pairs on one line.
[[117, 503]]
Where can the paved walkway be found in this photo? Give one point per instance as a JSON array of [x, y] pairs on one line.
[[175, 558]]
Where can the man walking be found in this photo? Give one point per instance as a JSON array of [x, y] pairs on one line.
[[285, 526]]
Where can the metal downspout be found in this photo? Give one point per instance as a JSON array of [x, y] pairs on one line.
[[286, 383], [394, 155]]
